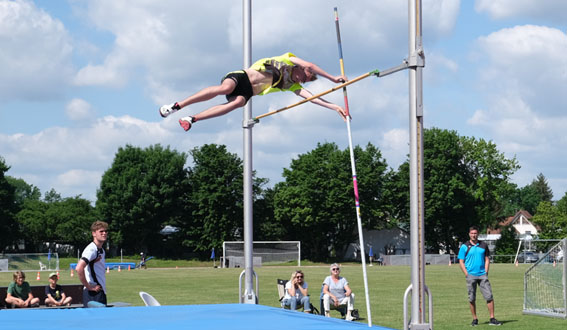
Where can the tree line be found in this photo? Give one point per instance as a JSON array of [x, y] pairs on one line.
[[467, 182]]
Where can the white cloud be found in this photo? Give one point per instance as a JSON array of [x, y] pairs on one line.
[[395, 146], [103, 75], [529, 62], [440, 16], [78, 109], [78, 178], [523, 78], [36, 53], [553, 10], [71, 159], [163, 51], [155, 41]]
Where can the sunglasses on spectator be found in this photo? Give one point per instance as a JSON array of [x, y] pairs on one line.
[[336, 269], [299, 276]]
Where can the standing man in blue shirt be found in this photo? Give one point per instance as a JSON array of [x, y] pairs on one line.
[[475, 263]]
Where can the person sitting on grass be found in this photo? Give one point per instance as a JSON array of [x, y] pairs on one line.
[[19, 292], [296, 292], [54, 293]]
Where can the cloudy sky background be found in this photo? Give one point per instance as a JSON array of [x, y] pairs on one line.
[[79, 79]]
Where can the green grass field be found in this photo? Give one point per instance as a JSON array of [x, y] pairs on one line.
[[208, 285]]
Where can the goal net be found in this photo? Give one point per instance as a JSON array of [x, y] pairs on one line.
[[264, 253], [29, 261], [545, 284]]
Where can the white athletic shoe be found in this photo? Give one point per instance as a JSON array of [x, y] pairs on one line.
[[349, 318], [166, 110], [186, 122]]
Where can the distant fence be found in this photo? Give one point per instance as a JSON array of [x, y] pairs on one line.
[[443, 259], [405, 259]]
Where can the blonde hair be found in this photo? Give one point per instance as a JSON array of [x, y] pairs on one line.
[[19, 273], [294, 274], [99, 225]]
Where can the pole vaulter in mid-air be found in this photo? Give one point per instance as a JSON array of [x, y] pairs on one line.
[[281, 73]]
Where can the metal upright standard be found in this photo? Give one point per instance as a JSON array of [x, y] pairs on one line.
[[354, 181], [417, 288], [249, 296]]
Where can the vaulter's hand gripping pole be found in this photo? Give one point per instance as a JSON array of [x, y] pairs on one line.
[[354, 181]]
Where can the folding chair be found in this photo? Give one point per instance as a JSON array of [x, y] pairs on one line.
[[148, 299], [341, 309], [281, 294]]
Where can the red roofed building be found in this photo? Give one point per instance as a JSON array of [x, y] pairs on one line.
[[521, 224]]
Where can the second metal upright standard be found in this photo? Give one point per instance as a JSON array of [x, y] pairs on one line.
[[417, 288]]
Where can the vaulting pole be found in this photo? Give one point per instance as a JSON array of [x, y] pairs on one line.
[[353, 167]]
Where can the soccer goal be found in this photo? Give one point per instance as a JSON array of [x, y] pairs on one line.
[[264, 253], [545, 284], [29, 261]]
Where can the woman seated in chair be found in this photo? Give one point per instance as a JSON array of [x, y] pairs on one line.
[[337, 291], [296, 293]]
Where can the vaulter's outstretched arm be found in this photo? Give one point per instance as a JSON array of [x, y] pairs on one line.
[[322, 102]]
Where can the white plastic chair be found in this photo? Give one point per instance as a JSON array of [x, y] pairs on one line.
[[148, 299]]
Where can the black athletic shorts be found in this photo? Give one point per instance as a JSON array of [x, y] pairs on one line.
[[243, 85]]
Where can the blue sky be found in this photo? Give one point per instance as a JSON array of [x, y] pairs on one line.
[[79, 79]]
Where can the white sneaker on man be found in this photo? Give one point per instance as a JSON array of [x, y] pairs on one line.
[[168, 109], [186, 122]]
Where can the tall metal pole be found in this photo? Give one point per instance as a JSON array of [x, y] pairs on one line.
[[354, 180], [416, 63], [249, 296]]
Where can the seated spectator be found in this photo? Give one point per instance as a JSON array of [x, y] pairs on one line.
[[54, 293], [19, 292], [336, 288], [296, 293]]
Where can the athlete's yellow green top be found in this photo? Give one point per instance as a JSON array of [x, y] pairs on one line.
[[281, 69]]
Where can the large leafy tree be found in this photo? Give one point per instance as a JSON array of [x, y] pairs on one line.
[[316, 200], [214, 200], [526, 198], [7, 208], [266, 227], [507, 244], [551, 220], [56, 220], [23, 191], [71, 219], [34, 224], [464, 180], [515, 199], [140, 193]]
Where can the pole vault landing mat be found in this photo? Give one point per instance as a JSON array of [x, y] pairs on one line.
[[215, 317]]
